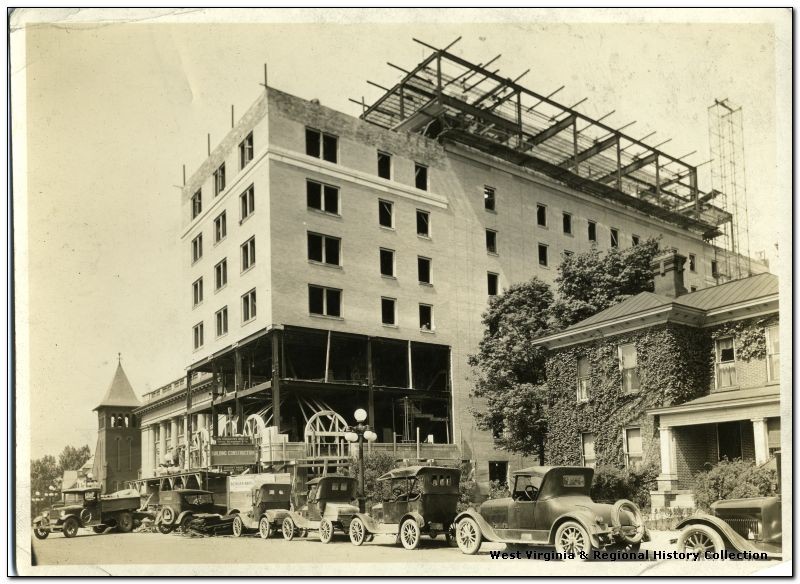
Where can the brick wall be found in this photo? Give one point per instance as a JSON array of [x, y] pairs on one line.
[[694, 446]]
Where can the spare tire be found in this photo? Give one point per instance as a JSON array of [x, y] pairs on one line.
[[167, 515], [638, 520]]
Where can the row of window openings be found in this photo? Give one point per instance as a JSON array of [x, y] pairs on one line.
[[325, 146], [221, 272], [725, 364], [322, 197], [248, 306], [245, 157], [631, 447], [324, 301], [247, 203], [248, 255]]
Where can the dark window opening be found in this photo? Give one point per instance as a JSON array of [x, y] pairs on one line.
[[498, 472], [592, 231], [489, 198], [421, 177], [493, 283], [248, 202], [423, 223], [491, 241], [219, 179], [324, 301], [197, 203], [387, 262], [635, 240], [542, 255], [323, 249], [614, 238], [329, 147], [384, 165], [313, 145], [388, 311], [385, 213], [424, 270], [714, 269], [567, 221], [425, 317], [322, 197], [541, 215], [246, 151], [692, 262]]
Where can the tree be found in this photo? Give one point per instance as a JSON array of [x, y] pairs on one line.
[[593, 281], [510, 370], [376, 464], [72, 458]]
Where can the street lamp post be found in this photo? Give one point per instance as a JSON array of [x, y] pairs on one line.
[[359, 433]]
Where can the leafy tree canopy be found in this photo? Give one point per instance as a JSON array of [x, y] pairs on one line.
[[510, 370], [593, 281], [72, 458]]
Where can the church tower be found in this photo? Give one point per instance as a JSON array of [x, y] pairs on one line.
[[118, 455]]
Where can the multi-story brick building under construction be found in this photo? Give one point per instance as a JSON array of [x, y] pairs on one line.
[[334, 263]]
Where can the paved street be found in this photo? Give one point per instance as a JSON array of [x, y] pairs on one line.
[[115, 553]]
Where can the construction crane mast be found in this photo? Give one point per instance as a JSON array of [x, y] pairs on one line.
[[728, 182]]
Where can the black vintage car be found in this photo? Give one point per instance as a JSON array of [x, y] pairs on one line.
[[551, 506], [177, 508], [416, 500], [752, 524], [329, 508]]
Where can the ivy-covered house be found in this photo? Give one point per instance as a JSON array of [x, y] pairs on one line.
[[670, 379]]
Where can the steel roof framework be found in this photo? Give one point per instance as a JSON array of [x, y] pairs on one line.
[[449, 98]]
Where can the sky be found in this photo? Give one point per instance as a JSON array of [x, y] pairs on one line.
[[113, 111]]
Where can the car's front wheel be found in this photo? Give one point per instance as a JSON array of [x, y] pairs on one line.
[[70, 527], [165, 529], [468, 536], [288, 529], [41, 532], [325, 531], [701, 539], [409, 534], [265, 529], [358, 532], [185, 523], [571, 537], [237, 526]]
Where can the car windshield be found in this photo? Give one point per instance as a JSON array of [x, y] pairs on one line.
[[198, 499], [70, 498], [526, 487]]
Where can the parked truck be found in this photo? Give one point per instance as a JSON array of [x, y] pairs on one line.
[[86, 507]]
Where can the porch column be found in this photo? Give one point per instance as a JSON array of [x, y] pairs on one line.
[[761, 440], [668, 479]]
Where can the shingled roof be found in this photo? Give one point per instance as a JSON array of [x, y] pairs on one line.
[[120, 393]]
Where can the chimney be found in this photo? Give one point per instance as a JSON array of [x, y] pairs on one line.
[[667, 269]]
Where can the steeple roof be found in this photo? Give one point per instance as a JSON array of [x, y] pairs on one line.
[[120, 393]]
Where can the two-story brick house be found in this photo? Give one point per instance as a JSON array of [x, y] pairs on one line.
[[670, 379]]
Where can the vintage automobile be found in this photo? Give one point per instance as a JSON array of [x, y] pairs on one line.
[[416, 500], [86, 507], [255, 502], [177, 508], [329, 508], [752, 524], [550, 506]]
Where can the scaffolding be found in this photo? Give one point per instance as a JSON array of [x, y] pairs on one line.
[[728, 183], [450, 99]]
